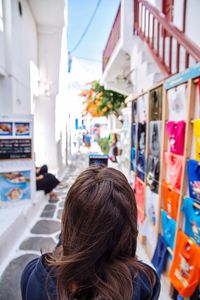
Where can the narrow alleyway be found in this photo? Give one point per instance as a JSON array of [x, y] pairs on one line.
[[42, 236]]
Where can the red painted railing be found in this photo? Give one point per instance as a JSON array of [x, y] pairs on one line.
[[112, 39], [171, 48]]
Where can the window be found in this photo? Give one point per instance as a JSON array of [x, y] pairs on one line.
[[1, 16]]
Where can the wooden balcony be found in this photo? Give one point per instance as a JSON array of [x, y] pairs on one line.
[[170, 47], [113, 38]]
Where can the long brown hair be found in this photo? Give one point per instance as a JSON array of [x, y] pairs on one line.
[[99, 238]]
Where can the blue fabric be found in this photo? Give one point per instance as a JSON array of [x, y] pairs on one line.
[[160, 255], [168, 228], [194, 179], [37, 281], [133, 162], [141, 165], [133, 142], [142, 137], [192, 220]]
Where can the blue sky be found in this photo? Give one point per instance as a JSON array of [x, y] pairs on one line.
[[79, 14]]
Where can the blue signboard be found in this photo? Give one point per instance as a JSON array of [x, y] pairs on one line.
[[180, 78]]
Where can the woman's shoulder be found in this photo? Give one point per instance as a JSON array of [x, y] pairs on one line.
[[37, 280], [146, 284]]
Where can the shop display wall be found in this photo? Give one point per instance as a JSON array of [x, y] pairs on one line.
[[145, 160], [168, 171]]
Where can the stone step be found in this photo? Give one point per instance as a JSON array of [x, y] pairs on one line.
[[15, 220]]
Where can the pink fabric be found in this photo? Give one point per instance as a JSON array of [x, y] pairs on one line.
[[175, 167], [176, 132], [139, 196]]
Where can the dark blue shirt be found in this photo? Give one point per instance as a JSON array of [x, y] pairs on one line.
[[37, 280]]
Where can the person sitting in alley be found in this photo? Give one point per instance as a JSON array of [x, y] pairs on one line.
[[46, 182], [96, 259]]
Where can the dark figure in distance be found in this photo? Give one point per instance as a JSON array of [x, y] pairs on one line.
[[46, 182]]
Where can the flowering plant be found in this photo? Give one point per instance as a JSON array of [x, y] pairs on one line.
[[101, 102]]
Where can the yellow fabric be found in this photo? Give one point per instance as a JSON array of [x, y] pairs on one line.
[[197, 138]]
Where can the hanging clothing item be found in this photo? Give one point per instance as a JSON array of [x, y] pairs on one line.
[[160, 255], [133, 157], [177, 103], [155, 137], [193, 169], [171, 198], [175, 166], [196, 127], [153, 173], [141, 137], [176, 133], [192, 219], [185, 269], [134, 111], [142, 108], [156, 104], [168, 228], [140, 196], [133, 138], [141, 165], [151, 206]]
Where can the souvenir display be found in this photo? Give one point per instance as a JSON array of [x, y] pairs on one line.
[[193, 169], [156, 104], [147, 229], [196, 124], [177, 103], [176, 133], [192, 219], [151, 206], [153, 172], [167, 165], [155, 137], [171, 198], [141, 136], [142, 108], [139, 196], [175, 166], [185, 270], [141, 165], [168, 228], [160, 255]]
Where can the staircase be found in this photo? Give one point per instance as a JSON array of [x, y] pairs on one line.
[[145, 49], [172, 50]]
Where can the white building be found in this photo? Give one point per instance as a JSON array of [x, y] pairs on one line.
[[33, 68], [149, 40]]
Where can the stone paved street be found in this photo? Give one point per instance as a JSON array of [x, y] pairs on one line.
[[43, 235]]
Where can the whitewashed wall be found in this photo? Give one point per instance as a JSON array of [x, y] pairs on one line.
[[18, 48], [30, 56], [192, 21]]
